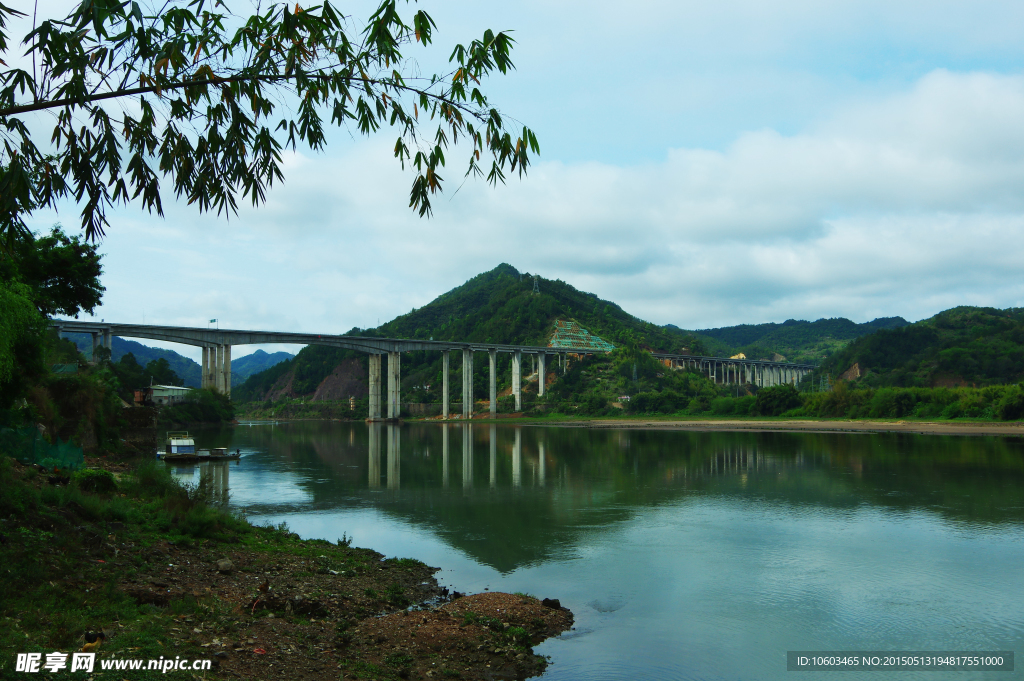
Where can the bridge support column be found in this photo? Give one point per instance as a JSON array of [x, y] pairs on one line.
[[226, 371], [108, 341], [211, 367], [374, 387], [95, 344], [205, 367], [517, 379], [218, 362], [394, 384], [467, 384], [541, 378], [445, 406], [492, 361]]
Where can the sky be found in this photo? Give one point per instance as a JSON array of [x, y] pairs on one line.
[[703, 164]]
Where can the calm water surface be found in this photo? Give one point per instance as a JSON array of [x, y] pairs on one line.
[[683, 555]]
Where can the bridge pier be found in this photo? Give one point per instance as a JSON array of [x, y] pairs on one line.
[[394, 384], [492, 361], [517, 379], [374, 387], [541, 360], [226, 371], [218, 374], [467, 384], [445, 406], [102, 339]]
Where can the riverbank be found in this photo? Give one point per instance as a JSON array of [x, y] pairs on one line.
[[126, 551], [958, 427], [1015, 428]]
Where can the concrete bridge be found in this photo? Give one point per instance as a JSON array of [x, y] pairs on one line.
[[217, 343], [762, 373]]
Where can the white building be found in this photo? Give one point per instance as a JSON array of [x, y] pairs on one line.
[[168, 394]]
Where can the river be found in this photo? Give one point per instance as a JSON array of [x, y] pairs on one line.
[[684, 555]]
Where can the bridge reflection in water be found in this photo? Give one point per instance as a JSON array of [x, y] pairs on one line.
[[213, 483], [729, 460], [394, 463]]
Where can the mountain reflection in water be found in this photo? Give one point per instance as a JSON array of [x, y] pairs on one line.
[[684, 555], [511, 496]]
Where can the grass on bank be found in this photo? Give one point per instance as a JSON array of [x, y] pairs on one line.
[[67, 542], [60, 565]]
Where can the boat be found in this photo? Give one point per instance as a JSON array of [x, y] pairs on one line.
[[180, 447]]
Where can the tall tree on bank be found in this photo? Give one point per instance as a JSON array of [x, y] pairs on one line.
[[189, 91]]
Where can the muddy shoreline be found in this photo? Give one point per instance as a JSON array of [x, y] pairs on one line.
[[1010, 429], [1000, 428]]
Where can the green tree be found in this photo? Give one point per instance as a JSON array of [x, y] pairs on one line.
[[193, 92], [20, 324], [63, 273], [130, 374], [161, 373]]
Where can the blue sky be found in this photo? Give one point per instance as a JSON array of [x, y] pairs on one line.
[[703, 164]]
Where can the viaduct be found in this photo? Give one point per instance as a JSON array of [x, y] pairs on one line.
[[216, 366]]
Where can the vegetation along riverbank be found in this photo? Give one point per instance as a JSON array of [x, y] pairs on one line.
[[123, 549]]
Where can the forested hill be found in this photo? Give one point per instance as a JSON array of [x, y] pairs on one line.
[[797, 341], [962, 346], [499, 306]]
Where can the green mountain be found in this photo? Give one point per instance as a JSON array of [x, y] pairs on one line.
[[797, 341], [962, 346], [499, 306]]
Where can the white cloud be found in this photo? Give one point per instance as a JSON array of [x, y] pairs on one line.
[[903, 205]]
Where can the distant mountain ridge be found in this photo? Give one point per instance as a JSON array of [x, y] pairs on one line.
[[244, 367], [797, 340], [960, 346], [185, 367]]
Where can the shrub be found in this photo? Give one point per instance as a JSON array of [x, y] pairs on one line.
[[723, 405], [1011, 406], [96, 481], [743, 405], [776, 400], [891, 403], [698, 405]]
